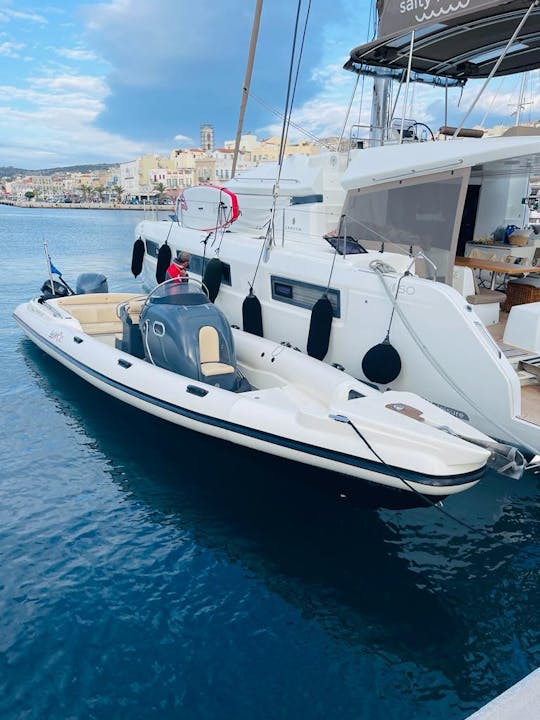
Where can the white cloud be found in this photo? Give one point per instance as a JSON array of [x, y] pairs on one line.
[[58, 116], [183, 139], [6, 14], [76, 53], [9, 49]]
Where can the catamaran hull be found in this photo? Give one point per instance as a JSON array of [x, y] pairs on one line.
[[478, 385]]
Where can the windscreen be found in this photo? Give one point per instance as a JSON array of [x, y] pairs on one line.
[[409, 218]]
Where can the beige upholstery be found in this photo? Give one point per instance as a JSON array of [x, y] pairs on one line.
[[209, 353], [484, 296], [216, 368], [98, 312], [134, 310], [102, 328], [95, 299]]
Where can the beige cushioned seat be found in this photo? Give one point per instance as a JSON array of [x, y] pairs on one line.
[[209, 353], [484, 296]]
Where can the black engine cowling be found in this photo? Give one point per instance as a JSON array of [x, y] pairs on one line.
[[185, 333]]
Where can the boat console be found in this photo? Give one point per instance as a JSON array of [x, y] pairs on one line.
[[185, 333]]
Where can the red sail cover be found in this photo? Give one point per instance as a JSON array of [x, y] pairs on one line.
[[400, 16]]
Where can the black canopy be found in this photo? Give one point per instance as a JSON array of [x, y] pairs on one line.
[[452, 40]]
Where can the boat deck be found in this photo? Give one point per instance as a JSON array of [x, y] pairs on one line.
[[530, 386]]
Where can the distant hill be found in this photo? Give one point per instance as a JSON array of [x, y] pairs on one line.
[[11, 172]]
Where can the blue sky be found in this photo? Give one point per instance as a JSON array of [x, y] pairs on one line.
[[86, 82]]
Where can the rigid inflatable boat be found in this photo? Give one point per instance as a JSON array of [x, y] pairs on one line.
[[173, 354]]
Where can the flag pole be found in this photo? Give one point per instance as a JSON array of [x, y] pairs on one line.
[[48, 259]]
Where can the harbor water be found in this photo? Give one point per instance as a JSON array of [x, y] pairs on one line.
[[149, 572]]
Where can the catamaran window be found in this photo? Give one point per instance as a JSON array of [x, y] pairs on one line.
[[410, 217], [196, 267], [152, 248], [304, 295]]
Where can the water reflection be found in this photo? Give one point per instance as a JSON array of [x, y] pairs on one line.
[[412, 587]]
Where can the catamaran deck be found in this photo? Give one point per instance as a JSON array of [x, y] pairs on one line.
[[530, 385]]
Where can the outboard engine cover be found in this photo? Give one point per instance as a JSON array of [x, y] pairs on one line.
[[91, 283], [186, 334], [58, 289]]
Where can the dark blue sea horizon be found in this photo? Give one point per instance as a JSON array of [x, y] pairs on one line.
[[150, 572]]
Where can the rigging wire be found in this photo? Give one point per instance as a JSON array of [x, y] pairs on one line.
[[289, 101], [298, 64], [279, 114], [442, 372], [288, 96], [348, 113], [361, 104], [497, 91], [335, 254]]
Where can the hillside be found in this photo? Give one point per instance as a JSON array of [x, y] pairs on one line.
[[11, 172]]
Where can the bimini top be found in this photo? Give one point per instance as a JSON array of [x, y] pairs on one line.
[[490, 156], [455, 40]]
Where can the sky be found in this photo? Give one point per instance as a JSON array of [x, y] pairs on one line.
[[92, 82]]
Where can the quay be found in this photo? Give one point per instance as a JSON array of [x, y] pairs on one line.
[[89, 205], [520, 702]]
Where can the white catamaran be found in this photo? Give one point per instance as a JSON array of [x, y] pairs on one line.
[[351, 256]]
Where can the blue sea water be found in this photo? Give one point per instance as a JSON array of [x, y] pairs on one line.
[[149, 572]]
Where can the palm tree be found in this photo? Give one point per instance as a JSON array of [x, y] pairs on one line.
[[160, 188], [29, 194], [100, 189], [118, 190], [86, 190]]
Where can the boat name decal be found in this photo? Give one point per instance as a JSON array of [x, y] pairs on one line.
[[56, 336], [452, 411]]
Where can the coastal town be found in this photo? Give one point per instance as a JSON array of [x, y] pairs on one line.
[[158, 178], [151, 178]]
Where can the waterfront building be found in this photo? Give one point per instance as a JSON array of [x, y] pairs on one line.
[[138, 177]]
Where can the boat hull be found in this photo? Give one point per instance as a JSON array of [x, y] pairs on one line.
[[127, 379]]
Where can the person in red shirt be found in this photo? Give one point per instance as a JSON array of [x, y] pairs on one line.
[[178, 267]]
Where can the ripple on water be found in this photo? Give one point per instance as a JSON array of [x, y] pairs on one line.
[[147, 572]]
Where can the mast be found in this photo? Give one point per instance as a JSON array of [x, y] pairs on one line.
[[247, 81], [381, 93], [379, 110]]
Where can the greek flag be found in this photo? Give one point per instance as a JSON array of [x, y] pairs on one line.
[[54, 269]]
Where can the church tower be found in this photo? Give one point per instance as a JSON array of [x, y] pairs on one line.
[[207, 137]]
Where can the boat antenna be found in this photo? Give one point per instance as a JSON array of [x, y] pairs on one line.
[[247, 81], [496, 66]]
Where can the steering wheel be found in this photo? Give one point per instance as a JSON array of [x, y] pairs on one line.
[[421, 131]]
